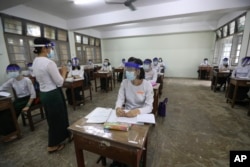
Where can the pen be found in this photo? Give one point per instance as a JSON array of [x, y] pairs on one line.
[[134, 142]]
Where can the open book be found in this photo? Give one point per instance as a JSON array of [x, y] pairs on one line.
[[102, 115]]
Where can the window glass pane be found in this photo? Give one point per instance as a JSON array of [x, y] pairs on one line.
[[85, 40], [78, 38], [98, 58], [12, 26], [49, 33], [241, 23], [33, 30], [92, 41], [62, 35], [97, 42], [232, 28], [225, 31]]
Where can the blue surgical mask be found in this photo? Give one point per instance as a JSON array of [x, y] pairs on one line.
[[13, 74], [155, 63], [130, 75], [105, 63], [51, 55]]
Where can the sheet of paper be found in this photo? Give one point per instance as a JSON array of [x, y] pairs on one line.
[[146, 118], [99, 115], [5, 94]]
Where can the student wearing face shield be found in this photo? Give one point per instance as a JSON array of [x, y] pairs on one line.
[[75, 73], [25, 93], [135, 92], [242, 71], [156, 65], [150, 73], [106, 67], [51, 95]]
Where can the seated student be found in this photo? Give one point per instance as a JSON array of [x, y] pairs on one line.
[[223, 67], [25, 93], [69, 65], [90, 64], [156, 65], [162, 65], [106, 67], [122, 65], [204, 73], [150, 73], [135, 92], [30, 70], [75, 73], [242, 71]]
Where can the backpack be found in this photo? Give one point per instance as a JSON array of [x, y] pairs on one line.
[[162, 107]]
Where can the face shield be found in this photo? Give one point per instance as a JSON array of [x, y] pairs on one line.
[[52, 54]]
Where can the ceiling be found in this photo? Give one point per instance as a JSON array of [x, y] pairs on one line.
[[150, 16]]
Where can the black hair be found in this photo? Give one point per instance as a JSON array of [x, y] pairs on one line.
[[147, 61], [138, 61], [76, 67], [40, 41]]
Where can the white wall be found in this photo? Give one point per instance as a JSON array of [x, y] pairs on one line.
[[181, 52], [4, 60]]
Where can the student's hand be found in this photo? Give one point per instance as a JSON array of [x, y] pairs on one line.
[[133, 113], [25, 109], [120, 112]]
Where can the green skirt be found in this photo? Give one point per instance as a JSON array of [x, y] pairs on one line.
[[57, 116]]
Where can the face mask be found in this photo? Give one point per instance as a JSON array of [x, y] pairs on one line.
[[51, 55], [205, 61], [105, 63], [160, 60], [225, 63], [90, 62], [145, 66], [155, 63], [13, 74], [130, 75]]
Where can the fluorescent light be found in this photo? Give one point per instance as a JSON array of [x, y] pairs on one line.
[[77, 2]]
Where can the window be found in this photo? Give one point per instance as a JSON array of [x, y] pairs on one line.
[[33, 30], [62, 35], [225, 32], [85, 40], [49, 32], [12, 26], [92, 41], [218, 33], [232, 28], [63, 51], [241, 23], [78, 38], [236, 46], [97, 42]]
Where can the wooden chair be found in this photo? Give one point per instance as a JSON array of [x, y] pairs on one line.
[[87, 86]]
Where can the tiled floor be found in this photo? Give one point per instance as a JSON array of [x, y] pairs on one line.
[[199, 131]]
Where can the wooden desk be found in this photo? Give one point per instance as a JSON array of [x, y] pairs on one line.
[[156, 98], [106, 75], [90, 72], [72, 85], [204, 69], [236, 82], [216, 76], [6, 103], [112, 144], [116, 72]]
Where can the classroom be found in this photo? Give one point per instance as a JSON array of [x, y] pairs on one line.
[[203, 123]]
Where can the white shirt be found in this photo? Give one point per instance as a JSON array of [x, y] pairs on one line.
[[136, 97], [151, 76], [157, 68], [23, 87], [47, 74], [241, 72], [76, 72], [106, 68]]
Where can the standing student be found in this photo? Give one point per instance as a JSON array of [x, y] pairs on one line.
[[135, 92], [106, 67], [51, 95], [25, 94], [75, 73]]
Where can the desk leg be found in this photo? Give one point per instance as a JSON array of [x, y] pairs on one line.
[[73, 98], [79, 157], [234, 95], [95, 85], [107, 85], [144, 156], [215, 83]]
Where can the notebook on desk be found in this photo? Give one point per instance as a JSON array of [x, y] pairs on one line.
[[102, 115]]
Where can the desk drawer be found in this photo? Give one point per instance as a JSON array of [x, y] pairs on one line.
[[115, 151]]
